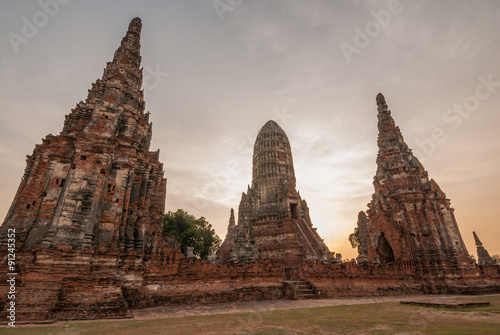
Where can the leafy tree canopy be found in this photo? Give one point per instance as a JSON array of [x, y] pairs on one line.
[[354, 238], [191, 232]]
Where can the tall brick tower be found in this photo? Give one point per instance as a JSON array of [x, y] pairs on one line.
[[409, 218], [273, 220], [96, 185]]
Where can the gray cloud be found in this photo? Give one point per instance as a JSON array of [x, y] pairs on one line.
[[227, 78]]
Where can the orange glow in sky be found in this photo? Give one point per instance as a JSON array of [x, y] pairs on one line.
[[213, 78]]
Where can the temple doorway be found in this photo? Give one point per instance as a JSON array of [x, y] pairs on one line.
[[384, 250], [293, 210]]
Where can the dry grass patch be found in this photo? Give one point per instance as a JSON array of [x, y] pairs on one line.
[[383, 318]]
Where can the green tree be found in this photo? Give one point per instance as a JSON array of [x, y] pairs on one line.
[[354, 238], [496, 258], [191, 232]]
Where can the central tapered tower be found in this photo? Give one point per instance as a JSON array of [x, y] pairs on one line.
[[272, 162], [273, 220]]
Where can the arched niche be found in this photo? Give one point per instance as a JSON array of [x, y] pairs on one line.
[[384, 250]]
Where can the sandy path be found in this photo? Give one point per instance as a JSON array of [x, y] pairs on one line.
[[270, 305]]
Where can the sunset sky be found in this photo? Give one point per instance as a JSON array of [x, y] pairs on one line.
[[216, 71]]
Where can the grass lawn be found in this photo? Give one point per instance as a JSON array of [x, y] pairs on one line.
[[383, 318]]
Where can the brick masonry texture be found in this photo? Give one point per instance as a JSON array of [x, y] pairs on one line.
[[89, 210]]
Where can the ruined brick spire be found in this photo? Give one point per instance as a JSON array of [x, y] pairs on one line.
[[483, 256], [410, 218], [232, 222], [476, 239], [394, 156], [117, 93], [363, 228], [129, 51], [96, 185]]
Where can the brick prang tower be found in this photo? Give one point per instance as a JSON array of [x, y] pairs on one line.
[[273, 220], [409, 218], [96, 185]]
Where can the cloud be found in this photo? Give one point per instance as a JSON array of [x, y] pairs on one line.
[[227, 78]]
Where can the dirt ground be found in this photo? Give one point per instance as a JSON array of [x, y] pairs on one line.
[[270, 305]]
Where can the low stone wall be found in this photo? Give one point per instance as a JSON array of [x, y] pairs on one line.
[[67, 284], [351, 279], [62, 284], [197, 281]]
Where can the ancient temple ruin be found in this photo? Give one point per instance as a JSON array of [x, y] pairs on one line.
[[273, 219], [89, 210], [96, 185], [90, 205], [409, 218]]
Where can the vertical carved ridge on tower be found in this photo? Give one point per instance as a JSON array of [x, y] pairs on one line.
[[232, 222]]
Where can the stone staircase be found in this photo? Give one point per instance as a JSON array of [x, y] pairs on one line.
[[300, 290]]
